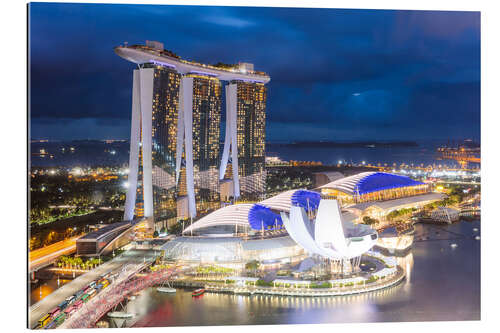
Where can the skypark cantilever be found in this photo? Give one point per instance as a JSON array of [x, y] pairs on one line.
[[141, 54]]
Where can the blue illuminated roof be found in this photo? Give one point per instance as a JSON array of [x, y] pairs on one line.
[[261, 216], [379, 181], [308, 200]]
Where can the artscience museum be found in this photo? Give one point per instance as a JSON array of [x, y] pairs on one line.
[[284, 229]]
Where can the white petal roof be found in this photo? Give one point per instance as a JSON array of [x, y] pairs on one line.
[[238, 214], [347, 184], [229, 215], [281, 202]]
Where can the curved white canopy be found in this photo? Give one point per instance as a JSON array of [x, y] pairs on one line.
[[229, 215], [347, 184]]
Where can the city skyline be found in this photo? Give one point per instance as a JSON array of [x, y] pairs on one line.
[[337, 74], [171, 211]]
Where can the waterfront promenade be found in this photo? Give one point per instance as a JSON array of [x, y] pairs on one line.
[[382, 283], [124, 286]]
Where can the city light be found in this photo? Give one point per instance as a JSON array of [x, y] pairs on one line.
[[222, 216], [77, 171]]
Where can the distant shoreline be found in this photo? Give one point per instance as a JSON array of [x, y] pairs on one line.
[[358, 144]]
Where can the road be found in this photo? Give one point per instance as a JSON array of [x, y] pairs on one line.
[[41, 257], [134, 257]]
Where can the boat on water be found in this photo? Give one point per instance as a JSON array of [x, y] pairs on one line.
[[120, 314], [198, 292], [166, 290]]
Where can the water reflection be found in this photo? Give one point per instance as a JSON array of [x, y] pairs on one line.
[[442, 284], [43, 288]]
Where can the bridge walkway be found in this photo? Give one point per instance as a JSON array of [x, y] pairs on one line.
[[104, 302]]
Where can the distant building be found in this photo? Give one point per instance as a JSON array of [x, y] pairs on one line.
[[322, 178], [380, 209], [305, 163], [445, 214], [275, 161], [373, 186]]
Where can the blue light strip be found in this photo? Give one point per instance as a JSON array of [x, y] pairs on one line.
[[156, 62], [308, 200], [262, 217], [384, 181]]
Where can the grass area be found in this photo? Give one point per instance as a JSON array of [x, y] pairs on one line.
[[59, 214]]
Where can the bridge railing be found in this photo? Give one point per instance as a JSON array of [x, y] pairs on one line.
[[121, 290]]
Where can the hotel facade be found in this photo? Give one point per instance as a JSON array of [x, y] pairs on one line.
[[176, 168]]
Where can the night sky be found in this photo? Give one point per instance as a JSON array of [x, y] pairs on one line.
[[335, 74]]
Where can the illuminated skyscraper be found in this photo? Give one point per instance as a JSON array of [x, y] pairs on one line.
[[251, 133], [245, 130], [164, 140], [206, 114], [175, 132]]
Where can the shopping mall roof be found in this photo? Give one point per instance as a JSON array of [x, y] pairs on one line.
[[367, 182], [99, 233], [398, 203]]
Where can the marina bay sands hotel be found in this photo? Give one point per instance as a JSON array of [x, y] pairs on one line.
[[176, 168]]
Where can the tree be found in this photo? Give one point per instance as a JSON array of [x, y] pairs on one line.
[[78, 262], [253, 266], [176, 228], [368, 220]]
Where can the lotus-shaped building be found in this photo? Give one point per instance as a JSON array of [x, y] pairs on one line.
[[327, 235]]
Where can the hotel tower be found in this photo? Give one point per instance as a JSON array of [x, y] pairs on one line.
[[177, 169]]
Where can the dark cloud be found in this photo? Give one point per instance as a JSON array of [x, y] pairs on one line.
[[334, 73]]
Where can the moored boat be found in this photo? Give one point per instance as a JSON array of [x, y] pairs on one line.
[[198, 292], [166, 290]]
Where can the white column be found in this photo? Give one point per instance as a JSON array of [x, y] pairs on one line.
[[231, 104], [134, 150], [187, 106], [227, 140], [180, 134], [146, 92]]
